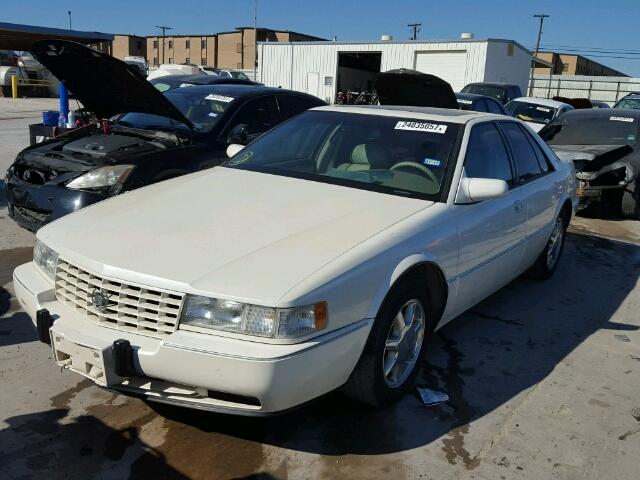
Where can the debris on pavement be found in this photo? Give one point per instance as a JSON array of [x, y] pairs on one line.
[[431, 398]]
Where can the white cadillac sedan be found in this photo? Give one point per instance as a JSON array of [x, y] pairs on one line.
[[322, 255]]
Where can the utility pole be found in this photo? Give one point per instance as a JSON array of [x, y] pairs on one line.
[[164, 29], [415, 29], [69, 13], [255, 40], [541, 16]]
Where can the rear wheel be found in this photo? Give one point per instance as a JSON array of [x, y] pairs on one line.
[[395, 348], [547, 262], [630, 205]]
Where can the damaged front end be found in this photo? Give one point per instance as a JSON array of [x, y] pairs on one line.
[[603, 172]]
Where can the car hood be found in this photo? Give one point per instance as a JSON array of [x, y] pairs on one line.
[[243, 235], [103, 84], [413, 88]]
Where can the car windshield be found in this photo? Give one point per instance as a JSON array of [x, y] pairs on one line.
[[633, 103], [203, 109], [601, 130], [396, 155], [493, 91], [531, 112]]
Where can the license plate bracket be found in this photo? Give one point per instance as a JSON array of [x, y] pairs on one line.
[[83, 359]]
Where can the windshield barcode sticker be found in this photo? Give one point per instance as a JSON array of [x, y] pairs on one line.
[[465, 102], [542, 109], [421, 127], [219, 98], [622, 119]]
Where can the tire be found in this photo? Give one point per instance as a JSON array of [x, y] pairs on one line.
[[548, 260], [368, 382], [630, 205]]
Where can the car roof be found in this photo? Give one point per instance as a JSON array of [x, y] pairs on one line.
[[540, 101], [493, 84], [421, 113], [603, 113], [232, 90]]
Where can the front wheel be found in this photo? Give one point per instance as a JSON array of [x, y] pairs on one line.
[[547, 262], [395, 348]]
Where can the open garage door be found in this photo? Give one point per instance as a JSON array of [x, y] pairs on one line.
[[450, 66]]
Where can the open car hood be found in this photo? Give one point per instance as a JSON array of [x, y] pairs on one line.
[[413, 88], [608, 153], [105, 85]]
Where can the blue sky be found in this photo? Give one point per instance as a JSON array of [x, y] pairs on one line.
[[605, 25]]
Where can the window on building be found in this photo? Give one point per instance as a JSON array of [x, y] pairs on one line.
[[155, 44], [565, 67], [187, 60], [170, 43], [203, 44], [155, 61], [187, 44], [203, 61], [239, 47], [170, 59]]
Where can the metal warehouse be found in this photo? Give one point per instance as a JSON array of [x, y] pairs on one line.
[[324, 68]]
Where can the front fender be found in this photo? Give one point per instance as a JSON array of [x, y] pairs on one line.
[[395, 274]]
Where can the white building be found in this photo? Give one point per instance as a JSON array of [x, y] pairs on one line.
[[324, 68]]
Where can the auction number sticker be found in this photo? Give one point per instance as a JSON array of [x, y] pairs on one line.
[[465, 102], [421, 127], [622, 119], [219, 98], [542, 109]]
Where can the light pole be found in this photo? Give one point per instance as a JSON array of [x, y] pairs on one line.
[[255, 40], [541, 16], [164, 29], [69, 13]]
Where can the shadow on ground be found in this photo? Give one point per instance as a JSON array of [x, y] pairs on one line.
[[485, 358]]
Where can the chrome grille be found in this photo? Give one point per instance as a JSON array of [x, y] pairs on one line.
[[130, 308]]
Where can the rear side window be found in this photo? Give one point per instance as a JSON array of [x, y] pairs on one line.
[[487, 155], [543, 160], [524, 157], [292, 105]]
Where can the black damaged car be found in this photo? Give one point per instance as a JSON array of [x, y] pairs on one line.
[[148, 137], [603, 145]]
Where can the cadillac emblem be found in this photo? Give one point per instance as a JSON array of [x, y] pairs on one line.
[[100, 299]]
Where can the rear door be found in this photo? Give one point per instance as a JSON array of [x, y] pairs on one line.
[[491, 233], [537, 183]]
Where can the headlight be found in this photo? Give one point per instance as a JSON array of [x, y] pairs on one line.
[[253, 319], [46, 259], [111, 178]]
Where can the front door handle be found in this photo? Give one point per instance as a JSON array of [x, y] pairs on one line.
[[517, 206]]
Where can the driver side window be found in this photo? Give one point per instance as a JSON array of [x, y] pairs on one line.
[[259, 114], [487, 155]]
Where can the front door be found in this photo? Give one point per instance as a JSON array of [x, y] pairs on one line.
[[491, 233]]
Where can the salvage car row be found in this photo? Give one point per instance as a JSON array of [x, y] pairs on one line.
[[322, 254]]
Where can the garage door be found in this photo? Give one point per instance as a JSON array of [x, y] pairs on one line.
[[450, 66]]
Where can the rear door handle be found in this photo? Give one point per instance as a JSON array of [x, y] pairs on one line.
[[517, 206]]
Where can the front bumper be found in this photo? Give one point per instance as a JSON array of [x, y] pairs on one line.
[[33, 206], [198, 370], [587, 193]]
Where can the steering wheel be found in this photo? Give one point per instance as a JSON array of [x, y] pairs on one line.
[[418, 166]]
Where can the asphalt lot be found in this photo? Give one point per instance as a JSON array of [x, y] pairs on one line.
[[544, 380]]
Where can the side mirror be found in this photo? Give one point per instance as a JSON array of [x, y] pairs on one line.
[[478, 189], [239, 134], [233, 149]]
